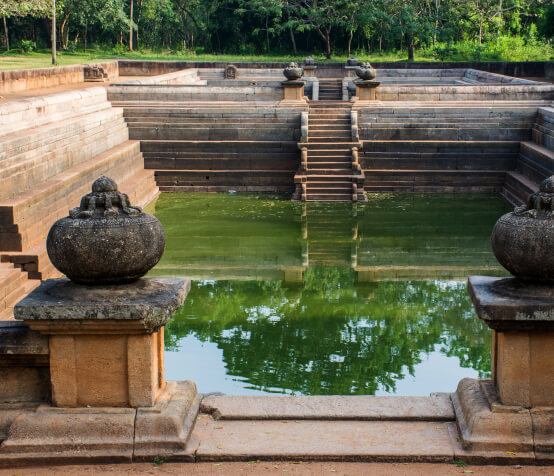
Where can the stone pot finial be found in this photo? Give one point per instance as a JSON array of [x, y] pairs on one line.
[[105, 240], [352, 61], [523, 240], [309, 61], [293, 72], [366, 72]]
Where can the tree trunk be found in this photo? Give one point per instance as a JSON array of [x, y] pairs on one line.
[[499, 17], [294, 52], [54, 32], [350, 41], [131, 28], [64, 32], [267, 33], [380, 43], [6, 35], [85, 38], [411, 48]]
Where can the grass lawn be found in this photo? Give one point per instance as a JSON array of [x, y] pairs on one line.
[[43, 59]]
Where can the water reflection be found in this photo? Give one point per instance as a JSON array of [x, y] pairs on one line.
[[328, 298]]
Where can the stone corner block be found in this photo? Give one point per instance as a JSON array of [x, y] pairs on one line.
[[164, 430]]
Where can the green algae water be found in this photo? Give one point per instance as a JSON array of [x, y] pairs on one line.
[[327, 298]]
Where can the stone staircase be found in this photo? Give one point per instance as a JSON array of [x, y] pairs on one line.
[[216, 147], [330, 90], [53, 149], [535, 161], [328, 171]]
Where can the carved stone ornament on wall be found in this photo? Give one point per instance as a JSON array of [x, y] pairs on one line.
[[231, 72]]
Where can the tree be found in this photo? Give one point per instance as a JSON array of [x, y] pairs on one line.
[[9, 8]]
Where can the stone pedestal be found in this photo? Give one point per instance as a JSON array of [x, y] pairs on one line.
[[309, 71], [366, 90], [350, 71], [106, 342], [293, 90], [515, 410], [110, 401]]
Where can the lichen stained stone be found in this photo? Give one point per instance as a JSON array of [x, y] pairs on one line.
[[105, 240]]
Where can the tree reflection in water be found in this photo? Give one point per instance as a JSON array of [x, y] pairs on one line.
[[332, 333]]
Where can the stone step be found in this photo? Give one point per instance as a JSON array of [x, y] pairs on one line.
[[328, 154], [258, 162], [435, 175], [328, 173], [198, 127], [34, 112], [329, 127], [321, 167], [475, 162], [194, 154], [483, 133], [329, 197], [324, 188], [10, 300], [327, 122], [331, 139], [437, 146], [34, 137], [11, 278], [218, 146], [34, 261], [517, 188], [45, 164], [290, 132], [330, 159], [241, 180], [35, 210]]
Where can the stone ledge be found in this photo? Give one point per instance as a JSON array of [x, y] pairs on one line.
[[150, 302], [329, 408], [42, 434]]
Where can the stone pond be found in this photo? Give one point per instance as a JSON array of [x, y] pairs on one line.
[[327, 298]]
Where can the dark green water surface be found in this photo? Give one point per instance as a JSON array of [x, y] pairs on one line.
[[327, 298]]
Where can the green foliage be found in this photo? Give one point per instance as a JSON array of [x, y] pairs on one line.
[[504, 48], [445, 29], [26, 46]]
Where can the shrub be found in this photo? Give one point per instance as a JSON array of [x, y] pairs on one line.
[[26, 46]]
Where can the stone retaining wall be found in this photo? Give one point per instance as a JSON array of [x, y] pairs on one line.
[[23, 79], [536, 69]]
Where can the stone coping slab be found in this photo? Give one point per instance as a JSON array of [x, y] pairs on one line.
[[152, 301], [322, 440], [509, 304], [435, 408]]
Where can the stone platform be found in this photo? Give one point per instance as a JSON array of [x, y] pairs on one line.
[[402, 429], [229, 428]]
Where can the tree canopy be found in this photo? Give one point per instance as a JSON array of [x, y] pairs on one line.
[[277, 26]]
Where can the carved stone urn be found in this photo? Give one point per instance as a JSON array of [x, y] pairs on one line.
[[523, 240], [293, 72], [309, 61], [352, 61], [366, 72], [105, 240]]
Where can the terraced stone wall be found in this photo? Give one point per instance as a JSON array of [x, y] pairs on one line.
[[418, 148], [51, 149]]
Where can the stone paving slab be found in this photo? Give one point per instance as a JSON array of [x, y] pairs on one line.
[[436, 408], [322, 440]]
